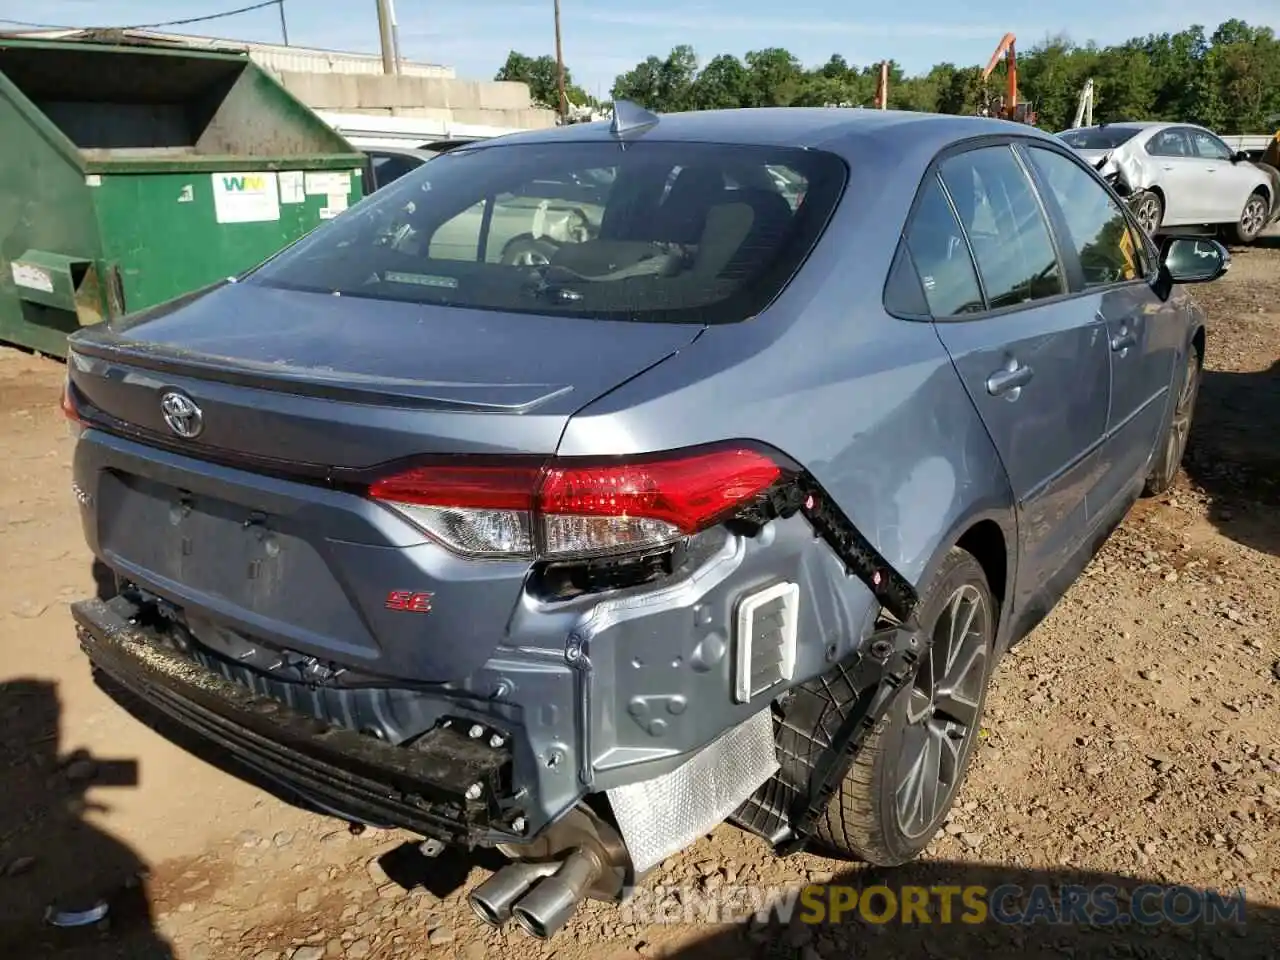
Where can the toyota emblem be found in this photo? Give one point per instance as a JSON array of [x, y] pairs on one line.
[[181, 414]]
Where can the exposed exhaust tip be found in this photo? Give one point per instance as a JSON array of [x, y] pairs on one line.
[[546, 908], [485, 912], [530, 925], [491, 901]]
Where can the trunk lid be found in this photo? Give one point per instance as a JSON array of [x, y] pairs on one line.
[[291, 386], [283, 375]]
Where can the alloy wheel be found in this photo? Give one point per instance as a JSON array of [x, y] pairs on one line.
[[1148, 214], [1180, 427], [1254, 217], [942, 712]]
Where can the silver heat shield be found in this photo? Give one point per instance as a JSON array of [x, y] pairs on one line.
[[664, 815]]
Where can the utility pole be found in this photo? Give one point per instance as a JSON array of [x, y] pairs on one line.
[[284, 26], [395, 36], [564, 101], [387, 37]]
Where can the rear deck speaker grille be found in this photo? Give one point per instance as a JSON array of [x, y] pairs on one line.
[[765, 645]]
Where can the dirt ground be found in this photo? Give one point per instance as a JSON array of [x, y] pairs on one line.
[[1133, 737]]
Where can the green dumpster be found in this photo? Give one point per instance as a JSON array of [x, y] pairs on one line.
[[130, 175]]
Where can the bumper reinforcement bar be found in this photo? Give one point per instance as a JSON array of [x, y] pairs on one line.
[[428, 787]]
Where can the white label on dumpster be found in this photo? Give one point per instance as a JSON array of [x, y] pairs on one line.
[[246, 197], [329, 183], [291, 190], [25, 275]]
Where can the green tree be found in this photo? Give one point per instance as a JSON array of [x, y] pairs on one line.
[[775, 77], [723, 83], [1227, 79], [661, 84], [540, 75]]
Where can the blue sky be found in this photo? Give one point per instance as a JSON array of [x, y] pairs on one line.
[[605, 37]]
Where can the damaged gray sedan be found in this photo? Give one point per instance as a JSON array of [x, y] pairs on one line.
[[726, 511]]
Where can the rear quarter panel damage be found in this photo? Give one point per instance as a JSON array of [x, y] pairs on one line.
[[869, 405]]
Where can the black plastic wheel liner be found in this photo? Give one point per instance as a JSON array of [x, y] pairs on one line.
[[819, 728], [820, 725]]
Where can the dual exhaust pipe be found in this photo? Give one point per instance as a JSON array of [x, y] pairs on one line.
[[540, 897]]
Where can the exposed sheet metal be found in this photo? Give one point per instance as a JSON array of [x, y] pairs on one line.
[[664, 815]]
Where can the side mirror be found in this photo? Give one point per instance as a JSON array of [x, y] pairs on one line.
[[1240, 157], [1194, 259]]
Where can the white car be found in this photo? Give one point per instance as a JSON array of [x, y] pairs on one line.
[[1181, 175]]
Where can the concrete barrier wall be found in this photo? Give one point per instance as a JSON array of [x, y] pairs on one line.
[[493, 103]]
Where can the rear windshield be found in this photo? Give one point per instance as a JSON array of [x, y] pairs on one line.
[[671, 231], [1098, 138]]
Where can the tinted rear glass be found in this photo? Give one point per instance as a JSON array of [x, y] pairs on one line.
[[673, 231], [1098, 138]]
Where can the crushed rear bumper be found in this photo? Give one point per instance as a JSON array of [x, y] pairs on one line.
[[429, 786]]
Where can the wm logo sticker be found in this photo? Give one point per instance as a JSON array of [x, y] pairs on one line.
[[252, 182]]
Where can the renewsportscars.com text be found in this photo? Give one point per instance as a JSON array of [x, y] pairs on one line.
[[1066, 904]]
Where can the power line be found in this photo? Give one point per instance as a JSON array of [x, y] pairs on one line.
[[148, 26]]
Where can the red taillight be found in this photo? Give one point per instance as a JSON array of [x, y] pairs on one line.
[[688, 493], [494, 488], [75, 422], [566, 509], [69, 402]]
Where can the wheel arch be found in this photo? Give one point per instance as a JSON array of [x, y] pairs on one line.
[[986, 542], [990, 535]]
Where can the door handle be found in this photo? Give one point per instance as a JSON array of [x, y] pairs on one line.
[[1123, 340], [1010, 379], [1167, 166]]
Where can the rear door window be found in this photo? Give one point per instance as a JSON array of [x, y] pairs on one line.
[[672, 231], [1170, 143], [1006, 226]]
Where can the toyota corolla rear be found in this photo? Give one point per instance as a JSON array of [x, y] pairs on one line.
[[348, 552]]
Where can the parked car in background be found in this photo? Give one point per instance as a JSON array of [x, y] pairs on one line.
[[1182, 175], [384, 165], [725, 507]]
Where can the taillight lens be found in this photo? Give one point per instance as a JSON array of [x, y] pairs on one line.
[[477, 511], [75, 422], [565, 509]]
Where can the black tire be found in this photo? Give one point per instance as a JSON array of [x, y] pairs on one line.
[[1173, 443], [863, 820], [1148, 210], [1253, 218], [528, 252]]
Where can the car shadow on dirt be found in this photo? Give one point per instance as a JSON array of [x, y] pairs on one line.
[[1233, 454], [53, 862], [999, 912]]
